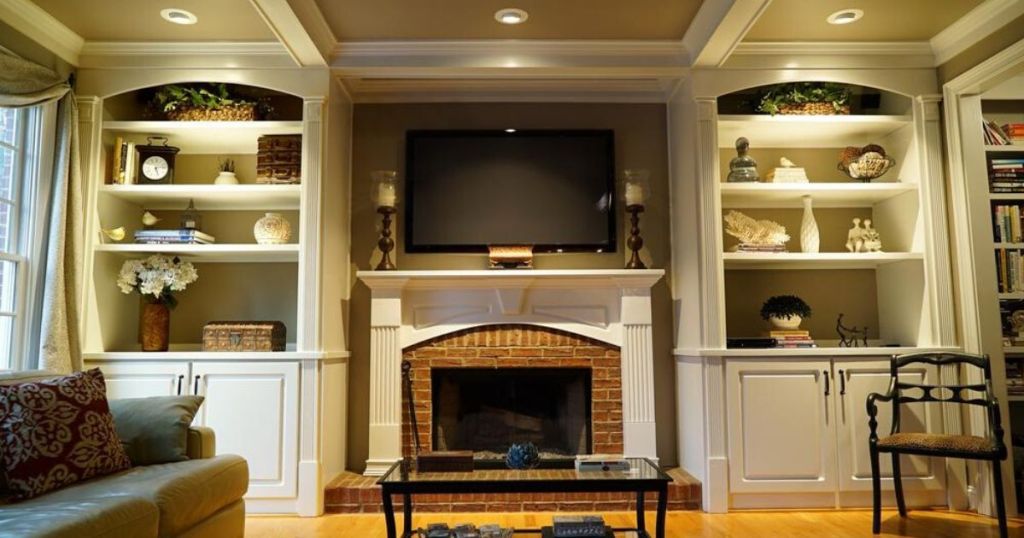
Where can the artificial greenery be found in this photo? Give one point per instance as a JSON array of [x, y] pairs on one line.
[[785, 306], [227, 165], [206, 95], [798, 93]]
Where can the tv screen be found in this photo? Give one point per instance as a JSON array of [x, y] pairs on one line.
[[470, 189]]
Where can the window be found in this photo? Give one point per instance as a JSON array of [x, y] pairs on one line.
[[21, 164]]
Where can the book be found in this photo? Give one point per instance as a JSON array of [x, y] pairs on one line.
[[123, 162], [173, 234], [115, 162]]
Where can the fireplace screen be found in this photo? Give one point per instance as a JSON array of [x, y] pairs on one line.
[[487, 409]]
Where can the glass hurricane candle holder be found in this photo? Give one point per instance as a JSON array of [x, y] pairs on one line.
[[636, 187], [635, 190], [385, 197]]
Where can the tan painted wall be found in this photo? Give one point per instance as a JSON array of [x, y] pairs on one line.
[[983, 50], [21, 45], [378, 143]]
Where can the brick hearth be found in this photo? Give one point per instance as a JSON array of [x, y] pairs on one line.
[[519, 346], [354, 493]]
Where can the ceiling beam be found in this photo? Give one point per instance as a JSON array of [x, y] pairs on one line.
[[719, 28], [976, 25], [41, 27], [300, 27]]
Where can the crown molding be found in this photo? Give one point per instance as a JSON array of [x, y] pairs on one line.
[[289, 29], [199, 54], [315, 24], [818, 48], [976, 25], [355, 50], [718, 28], [41, 27]]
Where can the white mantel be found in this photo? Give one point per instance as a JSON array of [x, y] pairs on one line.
[[408, 307]]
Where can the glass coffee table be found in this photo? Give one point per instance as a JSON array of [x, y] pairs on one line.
[[551, 477]]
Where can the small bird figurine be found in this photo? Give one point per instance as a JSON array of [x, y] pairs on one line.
[[149, 219], [114, 234]]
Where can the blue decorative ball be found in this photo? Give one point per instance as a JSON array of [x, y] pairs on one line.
[[522, 456]]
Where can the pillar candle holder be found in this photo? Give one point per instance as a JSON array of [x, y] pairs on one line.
[[635, 242], [386, 244]]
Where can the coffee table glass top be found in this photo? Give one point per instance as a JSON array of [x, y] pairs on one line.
[[641, 469]]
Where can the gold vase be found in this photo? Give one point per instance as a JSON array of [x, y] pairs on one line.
[[156, 327]]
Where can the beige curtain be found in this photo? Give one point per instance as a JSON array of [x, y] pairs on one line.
[[23, 84]]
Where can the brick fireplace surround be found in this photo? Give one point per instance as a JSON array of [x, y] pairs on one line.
[[519, 346], [514, 346]]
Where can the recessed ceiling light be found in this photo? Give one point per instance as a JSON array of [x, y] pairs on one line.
[[178, 16], [511, 15], [845, 16], [510, 130]]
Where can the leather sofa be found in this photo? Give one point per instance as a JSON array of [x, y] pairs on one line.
[[200, 497]]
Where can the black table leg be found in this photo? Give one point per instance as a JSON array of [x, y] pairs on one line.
[[389, 514], [407, 514], [659, 529], [641, 525]]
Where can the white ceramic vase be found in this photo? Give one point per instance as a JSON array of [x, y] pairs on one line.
[[786, 324], [226, 178], [272, 229], [810, 241]]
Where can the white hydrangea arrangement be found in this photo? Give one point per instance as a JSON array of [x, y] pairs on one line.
[[156, 277]]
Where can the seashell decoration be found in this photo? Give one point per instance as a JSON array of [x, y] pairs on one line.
[[755, 232]]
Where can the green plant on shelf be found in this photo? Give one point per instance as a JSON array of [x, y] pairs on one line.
[[785, 307], [776, 98], [227, 165], [175, 96]]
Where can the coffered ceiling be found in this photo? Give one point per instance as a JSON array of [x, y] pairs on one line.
[[139, 20], [884, 20], [387, 20]]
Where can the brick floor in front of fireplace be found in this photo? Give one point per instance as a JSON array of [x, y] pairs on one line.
[[355, 493]]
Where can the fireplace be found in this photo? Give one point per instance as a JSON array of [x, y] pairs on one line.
[[486, 410]]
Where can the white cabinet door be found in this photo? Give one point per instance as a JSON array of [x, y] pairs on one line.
[[144, 378], [254, 409], [780, 425], [860, 378]]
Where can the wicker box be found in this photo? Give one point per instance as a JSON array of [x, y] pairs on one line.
[[279, 159], [244, 336]]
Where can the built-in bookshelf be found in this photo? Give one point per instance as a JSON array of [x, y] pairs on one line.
[[885, 290], [238, 278]]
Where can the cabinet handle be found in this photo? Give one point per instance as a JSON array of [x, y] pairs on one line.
[[180, 378], [195, 386], [828, 390], [842, 383]]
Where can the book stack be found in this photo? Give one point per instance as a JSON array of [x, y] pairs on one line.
[[1015, 132], [745, 247], [994, 135], [124, 168], [1007, 224], [1006, 174], [579, 526], [173, 237], [788, 174], [1009, 270], [792, 339]]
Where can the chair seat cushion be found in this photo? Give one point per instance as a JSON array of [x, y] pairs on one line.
[[933, 442]]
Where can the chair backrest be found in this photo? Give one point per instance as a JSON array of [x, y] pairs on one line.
[[960, 394]]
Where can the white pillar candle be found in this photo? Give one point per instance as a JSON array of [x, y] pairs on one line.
[[634, 194], [386, 195]]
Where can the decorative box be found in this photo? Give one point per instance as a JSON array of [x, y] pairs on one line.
[[244, 336], [279, 159], [510, 256]]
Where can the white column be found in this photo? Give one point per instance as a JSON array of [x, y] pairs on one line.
[[638, 430], [385, 378]]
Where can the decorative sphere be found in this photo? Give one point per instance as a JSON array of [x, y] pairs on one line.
[[522, 456]]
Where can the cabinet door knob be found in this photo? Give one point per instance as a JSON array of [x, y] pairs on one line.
[[828, 390], [180, 379], [195, 386]]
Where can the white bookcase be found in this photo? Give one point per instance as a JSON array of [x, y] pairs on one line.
[[732, 401], [292, 403]]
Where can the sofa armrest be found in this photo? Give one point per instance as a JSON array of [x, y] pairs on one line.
[[201, 443]]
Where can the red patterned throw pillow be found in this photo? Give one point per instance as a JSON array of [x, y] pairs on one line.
[[56, 432]]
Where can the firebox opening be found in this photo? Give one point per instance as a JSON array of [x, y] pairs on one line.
[[486, 410]]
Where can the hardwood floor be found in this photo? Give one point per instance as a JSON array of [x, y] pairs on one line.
[[814, 524]]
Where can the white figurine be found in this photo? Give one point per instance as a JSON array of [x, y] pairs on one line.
[[855, 237], [872, 241], [149, 219]]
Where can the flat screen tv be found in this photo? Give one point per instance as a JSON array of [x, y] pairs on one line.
[[552, 189]]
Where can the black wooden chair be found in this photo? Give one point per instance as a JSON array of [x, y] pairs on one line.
[[989, 448]]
